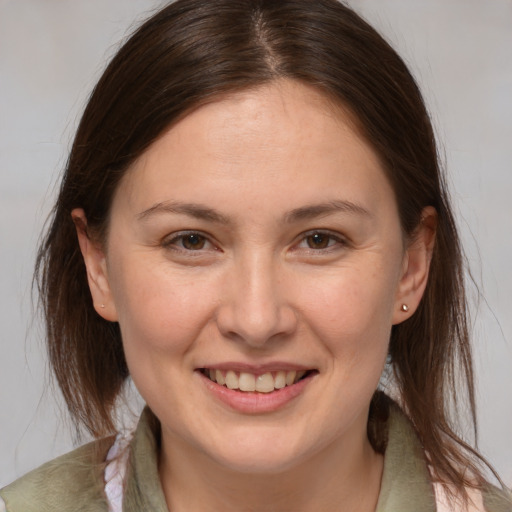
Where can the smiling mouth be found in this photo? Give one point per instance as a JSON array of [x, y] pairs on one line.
[[250, 382]]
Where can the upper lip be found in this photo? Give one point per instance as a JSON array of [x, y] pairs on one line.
[[256, 369]]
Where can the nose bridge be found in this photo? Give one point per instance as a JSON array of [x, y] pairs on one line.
[[255, 308]]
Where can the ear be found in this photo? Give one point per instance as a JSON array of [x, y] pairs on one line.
[[96, 265], [416, 266]]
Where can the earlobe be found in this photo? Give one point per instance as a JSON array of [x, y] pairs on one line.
[[95, 263], [416, 266]]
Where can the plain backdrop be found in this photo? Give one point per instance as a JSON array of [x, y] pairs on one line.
[[51, 54]]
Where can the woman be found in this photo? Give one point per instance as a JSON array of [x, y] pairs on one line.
[[253, 226]]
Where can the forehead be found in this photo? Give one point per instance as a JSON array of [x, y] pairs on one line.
[[280, 137], [277, 115]]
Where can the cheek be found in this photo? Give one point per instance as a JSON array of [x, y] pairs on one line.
[[159, 311], [349, 302], [161, 318], [351, 313]]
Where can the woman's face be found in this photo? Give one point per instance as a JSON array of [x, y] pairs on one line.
[[257, 245]]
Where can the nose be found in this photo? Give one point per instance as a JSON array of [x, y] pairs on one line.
[[254, 308]]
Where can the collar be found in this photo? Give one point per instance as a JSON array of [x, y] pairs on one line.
[[405, 481]]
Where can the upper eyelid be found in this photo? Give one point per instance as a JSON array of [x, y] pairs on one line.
[[333, 234], [185, 232]]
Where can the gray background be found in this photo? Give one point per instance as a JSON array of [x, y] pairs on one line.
[[51, 53]]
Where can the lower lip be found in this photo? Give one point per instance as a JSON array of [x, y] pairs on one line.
[[249, 402]]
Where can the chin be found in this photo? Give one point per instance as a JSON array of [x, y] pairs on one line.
[[260, 453], [258, 462]]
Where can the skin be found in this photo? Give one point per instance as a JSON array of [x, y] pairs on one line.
[[260, 288]]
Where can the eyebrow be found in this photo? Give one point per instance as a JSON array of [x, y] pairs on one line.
[[323, 209], [202, 212], [191, 209]]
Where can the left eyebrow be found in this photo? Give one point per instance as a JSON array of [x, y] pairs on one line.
[[323, 209]]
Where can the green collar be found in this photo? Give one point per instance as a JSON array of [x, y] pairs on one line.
[[405, 484]]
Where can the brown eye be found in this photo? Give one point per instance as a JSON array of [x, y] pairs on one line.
[[193, 241], [319, 241]]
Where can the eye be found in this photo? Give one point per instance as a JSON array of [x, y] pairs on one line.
[[320, 240], [193, 241], [190, 241]]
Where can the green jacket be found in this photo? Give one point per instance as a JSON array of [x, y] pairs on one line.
[[74, 482]]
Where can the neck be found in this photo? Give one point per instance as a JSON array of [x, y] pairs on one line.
[[343, 476]]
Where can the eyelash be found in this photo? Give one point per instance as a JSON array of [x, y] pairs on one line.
[[334, 241]]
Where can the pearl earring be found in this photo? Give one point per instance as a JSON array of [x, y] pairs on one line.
[[404, 308]]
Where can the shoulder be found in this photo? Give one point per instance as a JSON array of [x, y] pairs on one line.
[[73, 482], [497, 500], [486, 499], [408, 484]]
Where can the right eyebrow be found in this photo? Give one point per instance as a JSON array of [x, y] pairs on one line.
[[195, 210]]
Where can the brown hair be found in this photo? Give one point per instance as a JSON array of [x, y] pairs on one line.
[[190, 53]]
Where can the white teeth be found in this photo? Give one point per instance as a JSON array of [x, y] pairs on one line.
[[280, 380], [265, 383], [249, 382], [231, 380], [290, 377], [219, 378]]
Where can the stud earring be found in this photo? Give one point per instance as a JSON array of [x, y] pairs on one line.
[[102, 306], [404, 308]]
